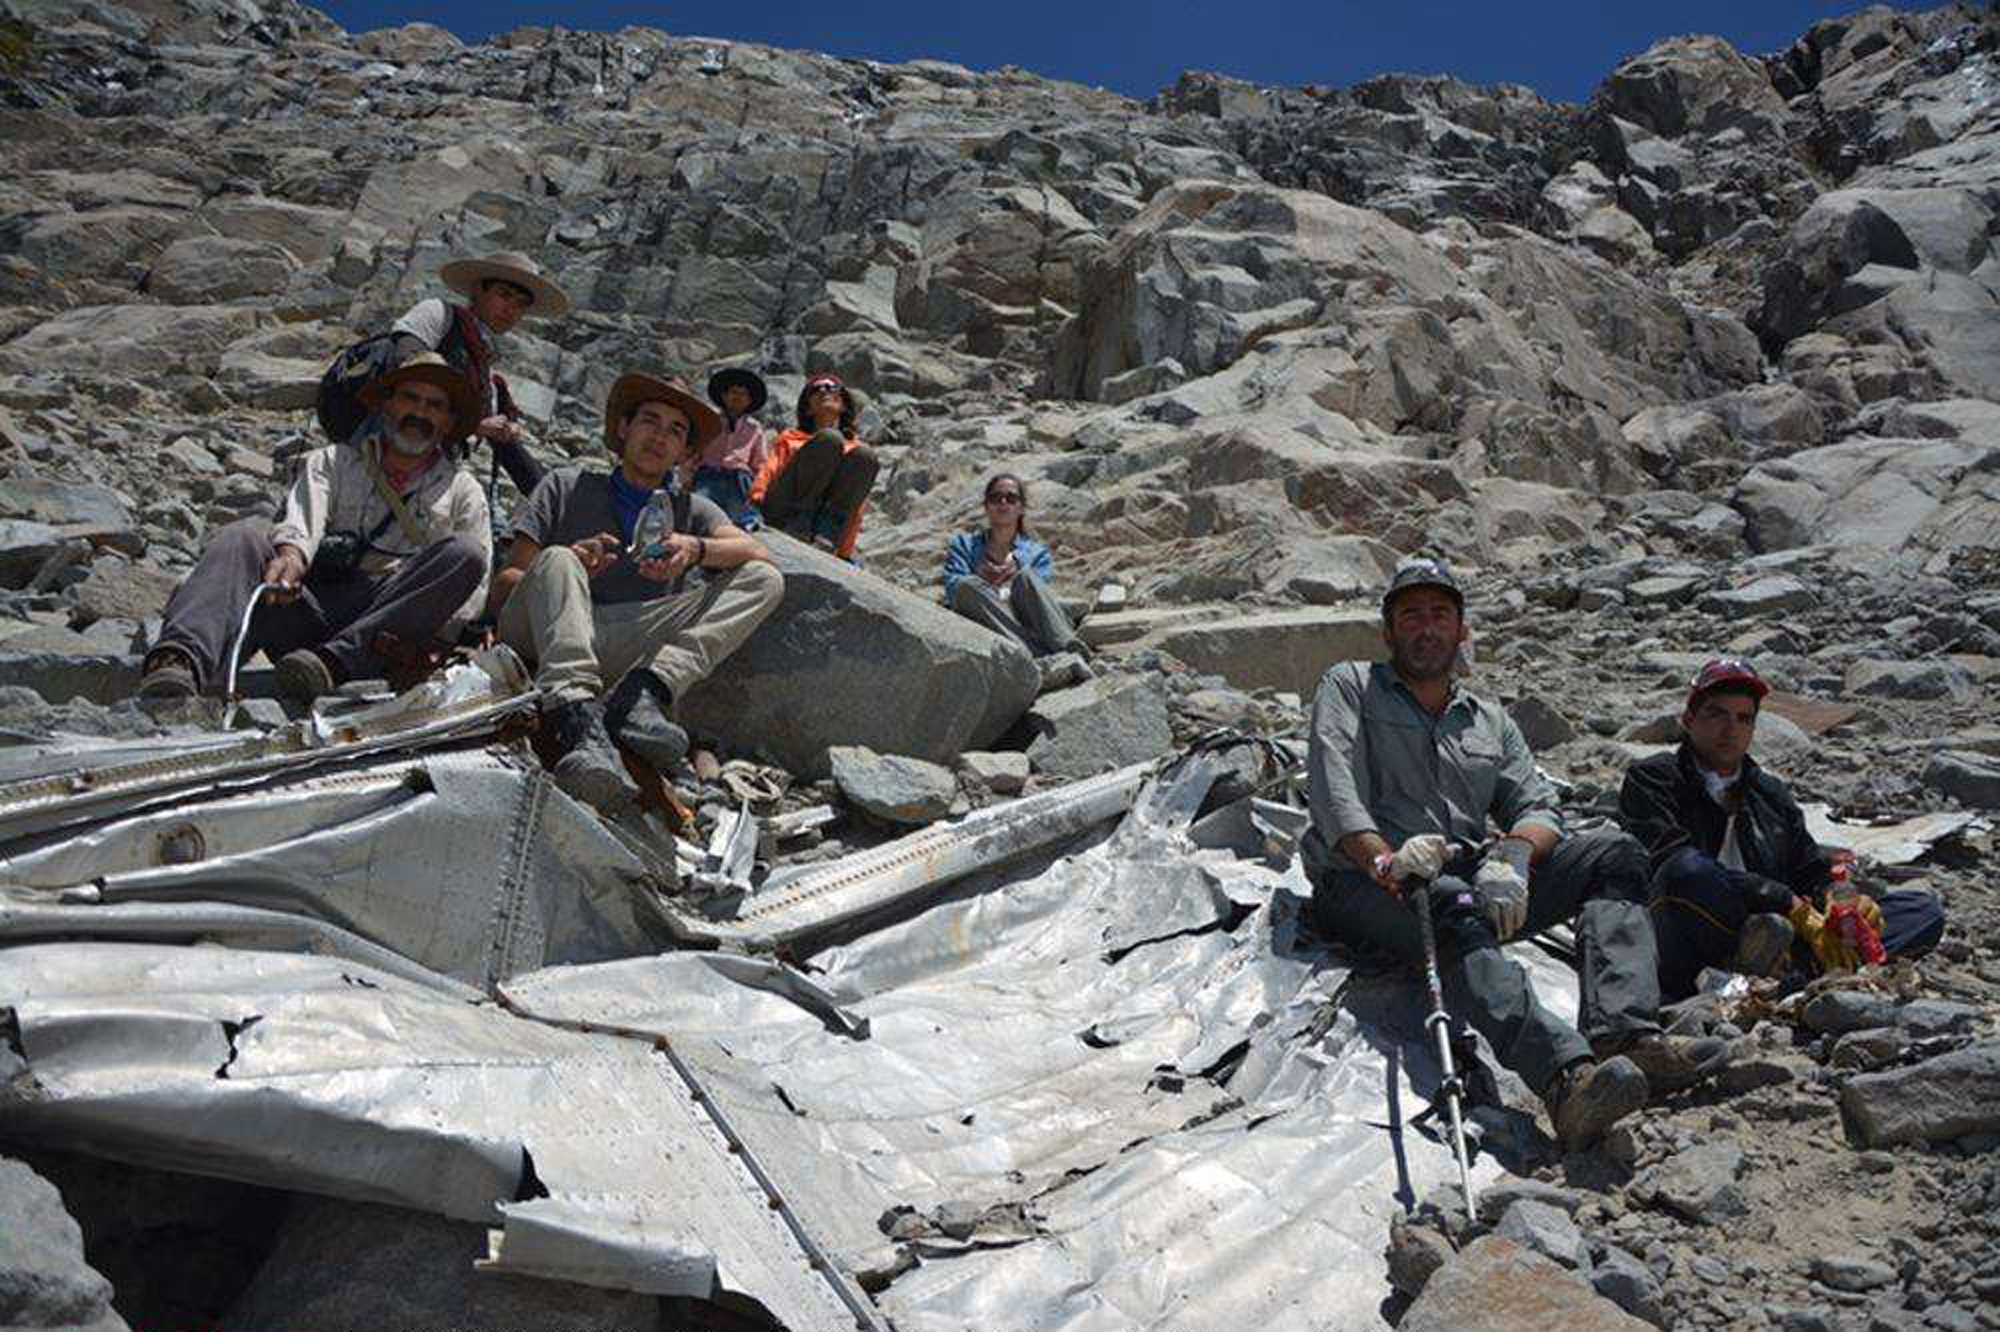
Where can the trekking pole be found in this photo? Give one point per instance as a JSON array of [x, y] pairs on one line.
[[230, 697], [1440, 1025]]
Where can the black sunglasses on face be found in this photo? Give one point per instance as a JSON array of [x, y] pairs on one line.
[[1003, 497]]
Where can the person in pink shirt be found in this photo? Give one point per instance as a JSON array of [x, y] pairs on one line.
[[725, 468]]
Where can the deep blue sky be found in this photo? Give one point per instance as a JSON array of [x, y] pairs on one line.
[[1562, 47]]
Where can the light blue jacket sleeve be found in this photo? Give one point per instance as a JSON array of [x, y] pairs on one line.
[[961, 560], [1034, 558]]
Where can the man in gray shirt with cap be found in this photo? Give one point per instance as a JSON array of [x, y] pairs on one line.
[[1406, 770]]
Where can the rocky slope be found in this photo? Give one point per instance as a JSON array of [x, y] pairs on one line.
[[1711, 360]]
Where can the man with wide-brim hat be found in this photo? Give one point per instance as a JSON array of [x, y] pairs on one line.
[[727, 465], [1418, 786], [499, 291], [596, 595], [379, 556]]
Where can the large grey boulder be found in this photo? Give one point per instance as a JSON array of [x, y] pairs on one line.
[[1102, 724], [890, 787], [346, 1264], [1947, 1097], [44, 1280], [213, 270], [1285, 649], [1971, 778], [1497, 1285], [848, 659], [1926, 495]]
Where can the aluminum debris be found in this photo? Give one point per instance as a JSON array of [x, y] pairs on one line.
[[1063, 1067], [1891, 844]]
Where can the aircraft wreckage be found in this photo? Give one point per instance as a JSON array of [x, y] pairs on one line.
[[1070, 1061]]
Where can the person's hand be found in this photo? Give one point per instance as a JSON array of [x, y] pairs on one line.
[[998, 573], [1502, 884], [1370, 854], [597, 553], [1422, 857], [284, 575], [682, 551], [498, 429]]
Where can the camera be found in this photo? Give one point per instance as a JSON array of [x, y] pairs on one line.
[[339, 555]]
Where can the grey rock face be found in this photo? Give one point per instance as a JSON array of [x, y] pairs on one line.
[[1545, 1230], [849, 659], [1947, 1097], [1097, 726], [1972, 779], [342, 1264], [1699, 1183], [1495, 1283], [890, 787], [44, 1280]]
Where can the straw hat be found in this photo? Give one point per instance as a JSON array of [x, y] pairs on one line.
[[464, 276], [636, 386], [429, 368]]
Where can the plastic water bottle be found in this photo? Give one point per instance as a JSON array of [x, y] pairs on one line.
[[655, 525], [1843, 913]]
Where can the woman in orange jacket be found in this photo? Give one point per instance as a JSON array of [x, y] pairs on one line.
[[815, 484]]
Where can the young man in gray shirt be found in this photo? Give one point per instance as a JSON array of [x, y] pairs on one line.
[[1407, 769], [594, 610]]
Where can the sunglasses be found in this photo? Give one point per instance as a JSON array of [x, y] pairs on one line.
[[1003, 497]]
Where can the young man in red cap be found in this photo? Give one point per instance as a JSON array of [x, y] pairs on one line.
[[815, 484], [1406, 767], [1737, 879], [595, 611]]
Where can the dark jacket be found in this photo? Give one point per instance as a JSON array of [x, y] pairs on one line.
[[1666, 805]]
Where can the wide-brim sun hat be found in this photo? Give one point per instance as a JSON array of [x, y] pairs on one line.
[[736, 376], [464, 276], [636, 386], [429, 368]]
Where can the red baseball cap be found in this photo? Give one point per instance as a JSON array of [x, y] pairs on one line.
[[1722, 671]]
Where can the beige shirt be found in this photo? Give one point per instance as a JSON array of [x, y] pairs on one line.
[[331, 492]]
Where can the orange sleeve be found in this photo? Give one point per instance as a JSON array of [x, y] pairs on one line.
[[852, 533], [782, 449]]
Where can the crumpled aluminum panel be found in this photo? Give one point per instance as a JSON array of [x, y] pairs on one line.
[[471, 865], [1124, 1076], [316, 1074]]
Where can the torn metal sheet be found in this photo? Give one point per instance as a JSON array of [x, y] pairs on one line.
[[1154, 1101], [50, 786], [793, 906], [1892, 844], [314, 1074], [471, 865]]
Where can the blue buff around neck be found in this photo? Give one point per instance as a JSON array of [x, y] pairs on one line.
[[629, 501]]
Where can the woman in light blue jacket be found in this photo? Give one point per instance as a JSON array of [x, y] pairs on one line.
[[998, 575]]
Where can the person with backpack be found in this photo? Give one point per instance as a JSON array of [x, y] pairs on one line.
[[815, 484], [725, 469], [499, 291], [381, 551], [597, 594]]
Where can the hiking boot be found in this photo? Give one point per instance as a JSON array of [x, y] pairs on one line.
[[1673, 1063], [1763, 945], [1588, 1098], [168, 677], [588, 768], [305, 675], [636, 715]]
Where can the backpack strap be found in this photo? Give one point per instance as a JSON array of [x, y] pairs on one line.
[[414, 532]]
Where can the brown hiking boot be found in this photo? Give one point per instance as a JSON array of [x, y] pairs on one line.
[[168, 677], [1670, 1063], [305, 675], [1588, 1098]]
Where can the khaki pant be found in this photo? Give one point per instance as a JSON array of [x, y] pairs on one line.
[[580, 650]]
